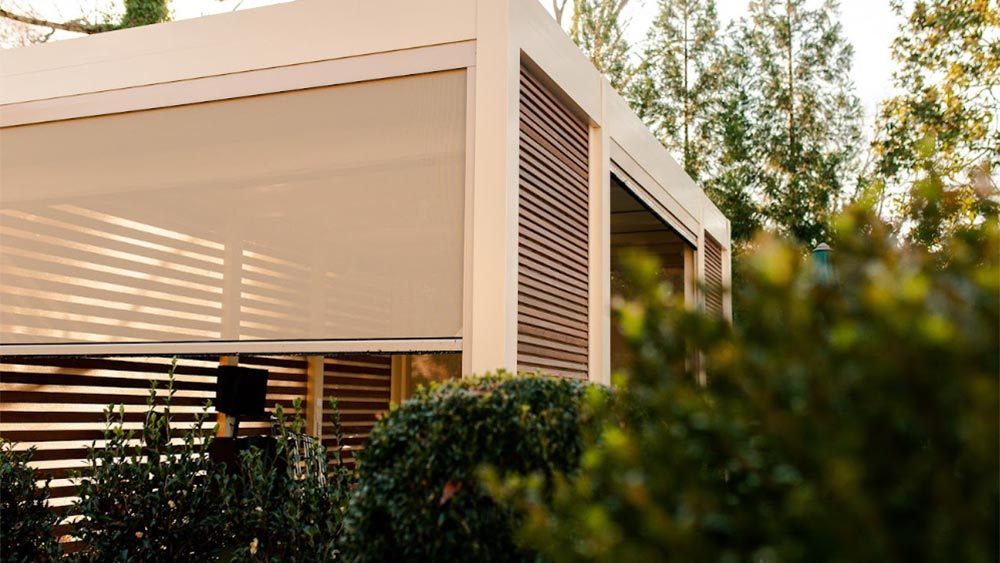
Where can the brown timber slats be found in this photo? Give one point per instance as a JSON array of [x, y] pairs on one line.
[[57, 404], [553, 259], [713, 276], [361, 385]]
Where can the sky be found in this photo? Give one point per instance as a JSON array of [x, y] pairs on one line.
[[869, 25]]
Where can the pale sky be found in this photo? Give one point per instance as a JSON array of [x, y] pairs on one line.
[[868, 24]]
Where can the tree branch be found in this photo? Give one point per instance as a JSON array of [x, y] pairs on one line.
[[76, 26], [558, 8]]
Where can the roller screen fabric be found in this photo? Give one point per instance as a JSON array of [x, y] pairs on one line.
[[329, 213]]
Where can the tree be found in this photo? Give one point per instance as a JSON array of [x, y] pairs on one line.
[[675, 84], [137, 13], [734, 171], [808, 120], [942, 130], [597, 28]]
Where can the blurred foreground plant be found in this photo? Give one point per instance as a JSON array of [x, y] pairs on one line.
[[848, 420]]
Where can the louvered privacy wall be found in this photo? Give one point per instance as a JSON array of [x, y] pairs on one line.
[[713, 276], [57, 404], [361, 385], [553, 264]]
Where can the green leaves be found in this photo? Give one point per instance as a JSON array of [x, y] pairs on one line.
[[598, 29], [940, 134], [678, 77], [291, 504], [867, 409], [159, 496], [418, 497], [151, 497], [27, 524]]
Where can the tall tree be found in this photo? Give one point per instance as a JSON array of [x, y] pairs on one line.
[[808, 120], [598, 29], [675, 81], [941, 133], [733, 177]]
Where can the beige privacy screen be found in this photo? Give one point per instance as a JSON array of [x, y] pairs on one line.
[[332, 213]]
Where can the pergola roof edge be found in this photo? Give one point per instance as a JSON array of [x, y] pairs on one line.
[[296, 32]]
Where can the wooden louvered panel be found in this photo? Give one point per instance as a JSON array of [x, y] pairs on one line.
[[713, 276], [553, 260], [56, 404], [361, 385]]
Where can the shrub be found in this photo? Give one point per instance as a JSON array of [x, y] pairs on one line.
[[852, 419], [417, 497], [147, 498], [291, 507], [26, 523]]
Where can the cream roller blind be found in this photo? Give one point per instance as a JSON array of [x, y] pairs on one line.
[[331, 213]]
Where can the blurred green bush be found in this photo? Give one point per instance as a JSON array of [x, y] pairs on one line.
[[417, 497], [845, 418]]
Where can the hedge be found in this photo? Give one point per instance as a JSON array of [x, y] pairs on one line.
[[417, 497]]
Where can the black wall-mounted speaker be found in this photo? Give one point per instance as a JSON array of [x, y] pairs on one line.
[[241, 391]]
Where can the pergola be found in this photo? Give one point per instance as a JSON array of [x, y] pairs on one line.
[[319, 181]]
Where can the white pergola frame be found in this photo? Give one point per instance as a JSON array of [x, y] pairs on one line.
[[314, 43]]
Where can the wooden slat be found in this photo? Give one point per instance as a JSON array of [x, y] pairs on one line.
[[543, 100], [361, 385], [713, 276], [541, 264], [553, 251]]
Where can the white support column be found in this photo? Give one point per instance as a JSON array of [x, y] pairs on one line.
[[600, 251], [727, 272], [490, 335], [690, 279]]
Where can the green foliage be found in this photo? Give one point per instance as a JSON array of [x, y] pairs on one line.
[[852, 418], [291, 506], [735, 174], [417, 497], [763, 116], [144, 12], [677, 73], [27, 524], [151, 497], [598, 29], [941, 132], [808, 118]]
